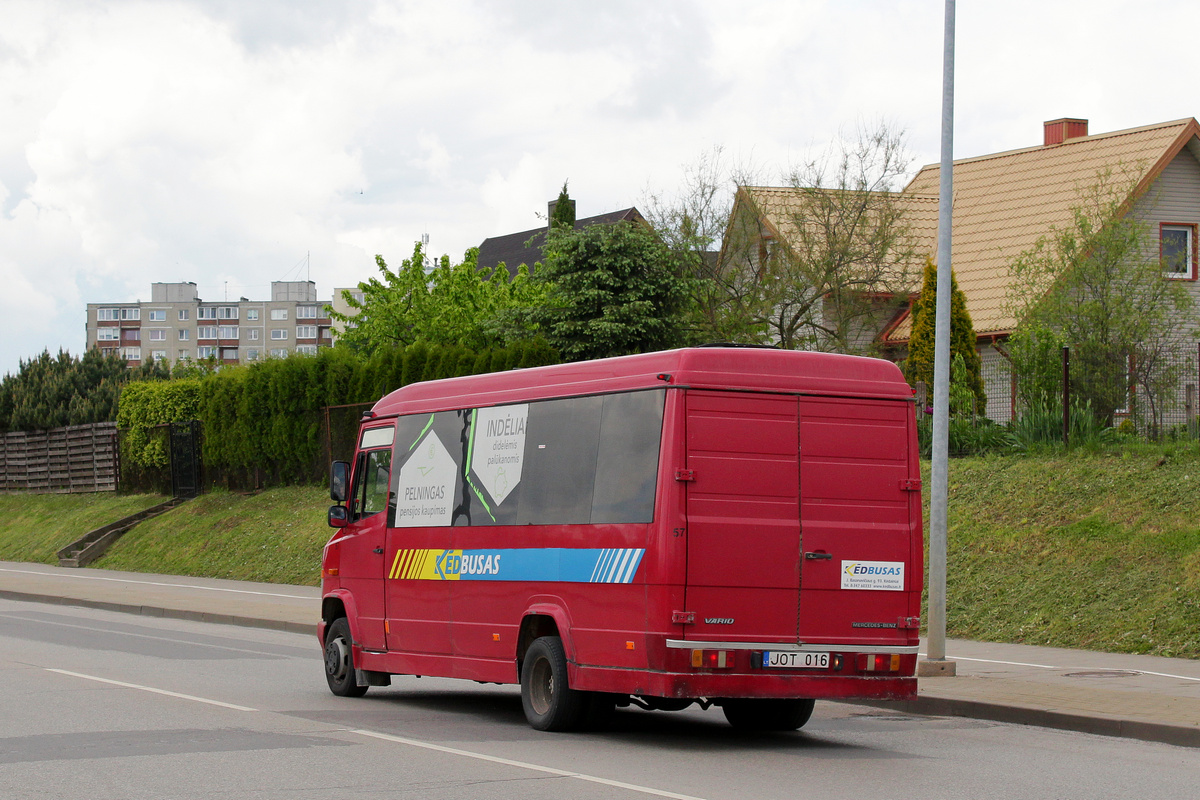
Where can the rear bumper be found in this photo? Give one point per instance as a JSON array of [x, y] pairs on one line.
[[741, 684], [852, 672]]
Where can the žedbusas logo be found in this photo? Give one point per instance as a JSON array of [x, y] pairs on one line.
[[885, 575]]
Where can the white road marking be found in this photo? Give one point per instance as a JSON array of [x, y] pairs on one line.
[[150, 689], [1047, 666], [153, 583], [525, 765]]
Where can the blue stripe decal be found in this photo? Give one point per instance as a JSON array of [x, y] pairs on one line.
[[569, 565]]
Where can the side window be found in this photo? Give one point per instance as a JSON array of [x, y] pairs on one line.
[[371, 480], [372, 473], [575, 460]]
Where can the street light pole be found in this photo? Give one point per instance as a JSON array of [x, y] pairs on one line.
[[936, 662]]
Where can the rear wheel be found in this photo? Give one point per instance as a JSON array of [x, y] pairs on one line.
[[339, 661], [549, 703], [766, 714]]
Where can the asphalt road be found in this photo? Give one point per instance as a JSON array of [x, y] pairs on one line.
[[102, 705]]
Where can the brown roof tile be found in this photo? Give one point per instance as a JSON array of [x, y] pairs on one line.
[[1004, 202]]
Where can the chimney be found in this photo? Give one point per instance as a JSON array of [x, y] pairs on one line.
[[1058, 131]]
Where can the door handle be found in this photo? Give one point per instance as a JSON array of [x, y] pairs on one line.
[[817, 556], [378, 551]]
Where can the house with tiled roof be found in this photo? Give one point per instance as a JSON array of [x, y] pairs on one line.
[[525, 247], [1004, 202]]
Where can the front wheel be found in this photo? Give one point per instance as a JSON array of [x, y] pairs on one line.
[[339, 661], [549, 703], [767, 715]]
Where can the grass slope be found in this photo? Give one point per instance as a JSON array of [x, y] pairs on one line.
[[1098, 551], [36, 526], [275, 536]]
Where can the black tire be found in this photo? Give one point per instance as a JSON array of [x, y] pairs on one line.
[[339, 661], [549, 703], [767, 715]]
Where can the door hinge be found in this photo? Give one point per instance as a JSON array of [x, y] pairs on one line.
[[908, 622], [685, 474], [683, 617], [910, 485]]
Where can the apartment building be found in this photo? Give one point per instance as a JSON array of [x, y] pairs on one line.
[[177, 325]]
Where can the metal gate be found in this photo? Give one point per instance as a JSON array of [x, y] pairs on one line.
[[185, 458]]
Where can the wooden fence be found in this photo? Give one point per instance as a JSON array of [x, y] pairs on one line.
[[78, 458]]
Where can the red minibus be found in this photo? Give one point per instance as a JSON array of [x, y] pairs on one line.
[[727, 526]]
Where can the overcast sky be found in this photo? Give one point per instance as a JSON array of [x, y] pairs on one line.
[[233, 143]]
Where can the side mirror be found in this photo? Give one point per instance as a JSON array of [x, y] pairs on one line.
[[339, 479], [338, 517]]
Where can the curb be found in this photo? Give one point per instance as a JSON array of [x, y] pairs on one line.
[[1178, 735], [170, 613]]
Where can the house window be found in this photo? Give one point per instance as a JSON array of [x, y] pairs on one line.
[[229, 353], [252, 315], [132, 335], [206, 352], [108, 314], [131, 313], [1178, 247], [207, 332], [278, 313], [158, 355], [251, 354], [227, 312], [252, 334], [280, 352], [228, 332], [184, 355], [306, 331], [184, 334], [206, 313], [184, 313], [158, 335], [158, 316], [279, 334], [326, 333], [108, 334], [307, 349], [131, 353], [306, 312]]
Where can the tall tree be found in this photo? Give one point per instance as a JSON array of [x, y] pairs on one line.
[[611, 290], [450, 304], [564, 211], [845, 264], [840, 266], [53, 391], [1099, 286], [727, 300], [919, 364]]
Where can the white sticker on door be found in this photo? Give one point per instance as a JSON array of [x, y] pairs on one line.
[[498, 448], [880, 575], [425, 494]]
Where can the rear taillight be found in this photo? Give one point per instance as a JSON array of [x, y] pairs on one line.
[[712, 659], [878, 662]]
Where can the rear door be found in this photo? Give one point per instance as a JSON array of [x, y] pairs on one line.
[[743, 513], [860, 506]]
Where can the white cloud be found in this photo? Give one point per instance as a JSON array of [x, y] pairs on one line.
[[215, 140]]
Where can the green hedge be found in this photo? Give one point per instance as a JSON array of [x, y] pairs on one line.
[[264, 422], [145, 405]]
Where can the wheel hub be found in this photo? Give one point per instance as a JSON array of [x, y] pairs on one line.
[[337, 658]]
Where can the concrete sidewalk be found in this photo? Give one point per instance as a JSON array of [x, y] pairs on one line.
[[1138, 697]]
